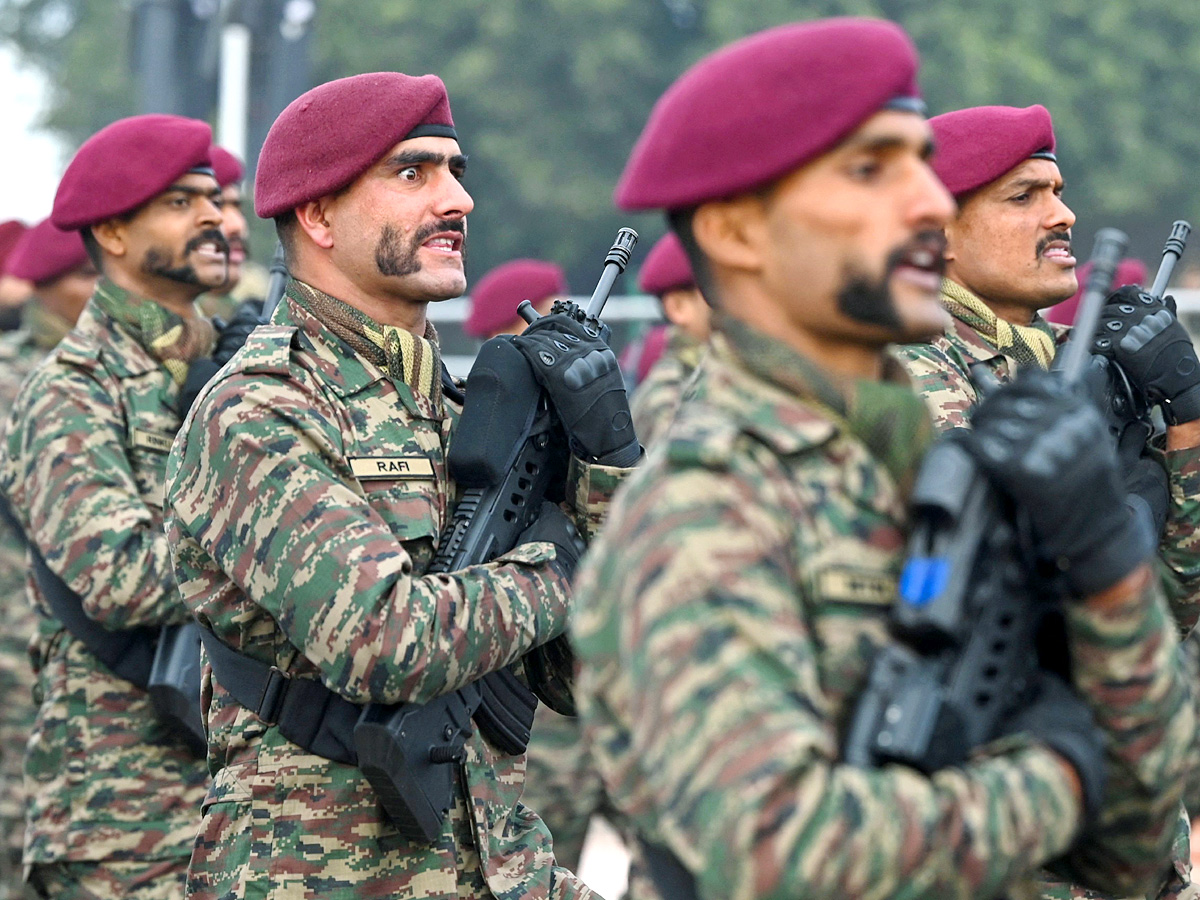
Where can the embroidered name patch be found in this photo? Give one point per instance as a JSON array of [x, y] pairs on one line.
[[151, 440], [856, 586], [391, 468]]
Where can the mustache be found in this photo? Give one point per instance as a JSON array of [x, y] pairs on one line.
[[425, 232], [925, 242], [211, 236], [1051, 238]]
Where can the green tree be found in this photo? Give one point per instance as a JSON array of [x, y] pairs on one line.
[[550, 95]]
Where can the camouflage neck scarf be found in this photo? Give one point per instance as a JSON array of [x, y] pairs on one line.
[[406, 358], [1027, 344], [44, 327], [887, 416], [685, 348], [169, 338]]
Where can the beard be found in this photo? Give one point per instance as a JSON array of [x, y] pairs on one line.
[[869, 301], [393, 259], [158, 261]]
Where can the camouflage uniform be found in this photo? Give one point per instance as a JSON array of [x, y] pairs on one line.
[[940, 373], [561, 785], [289, 556], [726, 620], [20, 352], [83, 467], [654, 402]]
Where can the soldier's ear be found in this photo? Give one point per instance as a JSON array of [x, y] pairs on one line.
[[730, 232], [110, 235], [313, 221]]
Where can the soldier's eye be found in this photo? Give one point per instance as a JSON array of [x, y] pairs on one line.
[[409, 173]]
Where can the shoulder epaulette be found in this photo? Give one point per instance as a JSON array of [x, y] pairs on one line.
[[73, 352], [269, 349], [701, 442]]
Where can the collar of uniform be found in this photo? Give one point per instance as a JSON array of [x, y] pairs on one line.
[[123, 354], [786, 417], [885, 415], [346, 371]]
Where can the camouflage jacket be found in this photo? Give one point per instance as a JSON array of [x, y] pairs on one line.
[[20, 352], [290, 551], [726, 621], [82, 466], [940, 373], [654, 402]]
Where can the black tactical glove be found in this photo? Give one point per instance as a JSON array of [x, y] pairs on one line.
[[580, 373], [230, 338], [1048, 448], [555, 526], [1058, 717], [1144, 336]]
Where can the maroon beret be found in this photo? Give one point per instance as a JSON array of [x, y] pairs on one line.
[[977, 145], [762, 107], [44, 253], [666, 267], [10, 234], [127, 163], [227, 167], [495, 299], [331, 135]]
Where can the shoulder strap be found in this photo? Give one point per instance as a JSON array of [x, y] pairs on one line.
[[128, 653], [306, 712]]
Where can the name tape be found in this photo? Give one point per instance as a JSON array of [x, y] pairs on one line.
[[391, 468], [151, 440]]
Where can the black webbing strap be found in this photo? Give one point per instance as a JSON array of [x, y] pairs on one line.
[[670, 878], [128, 652], [306, 712]]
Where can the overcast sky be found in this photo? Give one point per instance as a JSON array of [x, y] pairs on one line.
[[30, 160]]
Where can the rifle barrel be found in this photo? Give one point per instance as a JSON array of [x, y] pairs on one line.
[[1171, 253], [1106, 253]]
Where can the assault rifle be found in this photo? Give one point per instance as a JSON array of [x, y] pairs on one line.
[[971, 626], [509, 454]]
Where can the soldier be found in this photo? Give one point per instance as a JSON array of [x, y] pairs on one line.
[[57, 265], [731, 608], [308, 494], [667, 275], [1008, 255], [229, 171], [114, 794], [13, 291], [494, 300]]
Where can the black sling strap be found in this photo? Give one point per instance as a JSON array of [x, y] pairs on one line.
[[128, 652], [306, 712]]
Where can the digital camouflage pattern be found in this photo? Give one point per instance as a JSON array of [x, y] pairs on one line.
[[561, 785], [20, 352], [726, 621], [291, 550], [82, 466], [654, 401], [941, 375]]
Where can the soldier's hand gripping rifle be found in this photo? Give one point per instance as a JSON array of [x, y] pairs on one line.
[[1126, 405], [967, 623], [509, 455]]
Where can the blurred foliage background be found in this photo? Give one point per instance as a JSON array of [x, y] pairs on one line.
[[549, 95]]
